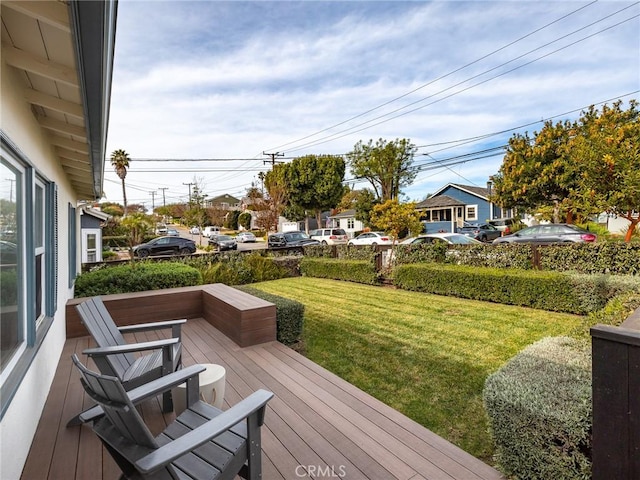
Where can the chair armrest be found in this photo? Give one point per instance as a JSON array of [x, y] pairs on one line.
[[144, 327], [131, 347], [205, 432], [151, 389]]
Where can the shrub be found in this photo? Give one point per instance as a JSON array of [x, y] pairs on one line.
[[360, 271], [539, 409], [289, 314], [601, 257], [616, 311], [555, 291], [9, 290], [136, 277]]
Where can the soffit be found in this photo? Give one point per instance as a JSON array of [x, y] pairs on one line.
[[37, 41]]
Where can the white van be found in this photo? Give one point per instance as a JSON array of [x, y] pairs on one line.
[[209, 231]]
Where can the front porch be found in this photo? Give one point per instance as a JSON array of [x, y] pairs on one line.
[[316, 426]]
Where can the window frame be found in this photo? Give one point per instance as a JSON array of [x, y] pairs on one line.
[[467, 209], [35, 329]]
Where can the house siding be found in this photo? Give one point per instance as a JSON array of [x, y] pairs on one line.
[[484, 211], [19, 422]]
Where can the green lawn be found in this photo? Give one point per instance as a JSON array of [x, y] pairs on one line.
[[425, 355]]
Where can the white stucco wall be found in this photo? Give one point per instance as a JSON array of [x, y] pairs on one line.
[[20, 421]]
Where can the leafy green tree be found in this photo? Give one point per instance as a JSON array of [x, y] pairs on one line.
[[387, 166], [244, 220], [398, 219], [113, 209], [231, 219], [273, 203], [314, 183], [120, 161], [607, 147], [536, 174], [137, 225]]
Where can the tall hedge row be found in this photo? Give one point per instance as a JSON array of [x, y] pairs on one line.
[[360, 271]]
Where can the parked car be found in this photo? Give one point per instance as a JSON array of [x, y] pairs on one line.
[[484, 232], [194, 230], [245, 237], [172, 232], [161, 229], [505, 225], [223, 242], [450, 238], [330, 236], [295, 238], [371, 238], [208, 231], [165, 246], [549, 233]]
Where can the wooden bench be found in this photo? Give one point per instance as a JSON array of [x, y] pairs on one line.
[[245, 319]]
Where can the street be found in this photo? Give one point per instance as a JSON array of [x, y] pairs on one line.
[[202, 241]]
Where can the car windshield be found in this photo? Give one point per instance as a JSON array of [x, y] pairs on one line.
[[460, 239], [296, 236], [224, 238]]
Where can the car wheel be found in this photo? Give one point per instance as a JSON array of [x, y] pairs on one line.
[[374, 244], [323, 242], [185, 251], [143, 253], [483, 238], [350, 243]]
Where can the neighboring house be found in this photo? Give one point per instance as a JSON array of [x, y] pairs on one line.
[[56, 70], [225, 202], [454, 205], [91, 222], [347, 221]]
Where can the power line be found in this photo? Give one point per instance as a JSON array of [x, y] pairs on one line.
[[439, 78], [357, 129]]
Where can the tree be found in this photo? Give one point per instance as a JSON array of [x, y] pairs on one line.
[[536, 174], [137, 225], [244, 220], [120, 161], [386, 165], [362, 201], [113, 209], [607, 146], [314, 182], [398, 219], [271, 206]]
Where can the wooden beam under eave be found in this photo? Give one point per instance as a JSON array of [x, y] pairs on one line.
[[77, 171], [69, 144], [62, 127], [40, 66], [51, 13], [71, 155], [54, 103]]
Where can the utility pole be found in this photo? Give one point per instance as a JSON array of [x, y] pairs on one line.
[[11, 189], [164, 204], [153, 200], [189, 184], [273, 158]]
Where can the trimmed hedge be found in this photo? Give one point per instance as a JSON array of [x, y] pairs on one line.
[[360, 271], [137, 277], [289, 314], [539, 408], [554, 291]]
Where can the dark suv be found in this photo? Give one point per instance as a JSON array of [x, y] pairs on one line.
[[290, 239], [165, 246]]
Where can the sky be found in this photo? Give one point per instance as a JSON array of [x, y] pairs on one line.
[[210, 87]]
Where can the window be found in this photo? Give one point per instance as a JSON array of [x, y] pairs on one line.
[[471, 212], [28, 264], [92, 251], [351, 223]]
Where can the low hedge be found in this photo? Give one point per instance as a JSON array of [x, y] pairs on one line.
[[360, 271], [289, 314], [539, 408], [563, 292], [136, 277]]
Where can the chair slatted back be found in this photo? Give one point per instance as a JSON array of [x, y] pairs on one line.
[[98, 321], [118, 408]]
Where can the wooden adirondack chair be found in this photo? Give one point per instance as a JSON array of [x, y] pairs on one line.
[[202, 443], [115, 357]]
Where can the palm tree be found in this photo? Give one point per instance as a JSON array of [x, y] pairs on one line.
[[120, 161]]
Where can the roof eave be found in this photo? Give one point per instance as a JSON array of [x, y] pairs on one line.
[[93, 26]]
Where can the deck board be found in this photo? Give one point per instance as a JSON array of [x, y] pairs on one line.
[[315, 421]]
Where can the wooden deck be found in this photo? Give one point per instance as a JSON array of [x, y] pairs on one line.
[[317, 425]]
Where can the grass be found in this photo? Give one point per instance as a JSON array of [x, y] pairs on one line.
[[427, 356]]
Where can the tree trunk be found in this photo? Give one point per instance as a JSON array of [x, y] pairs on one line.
[[632, 228], [124, 199]]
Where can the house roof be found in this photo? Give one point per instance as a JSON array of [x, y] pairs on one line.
[[226, 198], [346, 214], [440, 201], [64, 54], [96, 213], [480, 192]]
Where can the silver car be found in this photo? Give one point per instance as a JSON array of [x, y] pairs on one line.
[[549, 233]]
